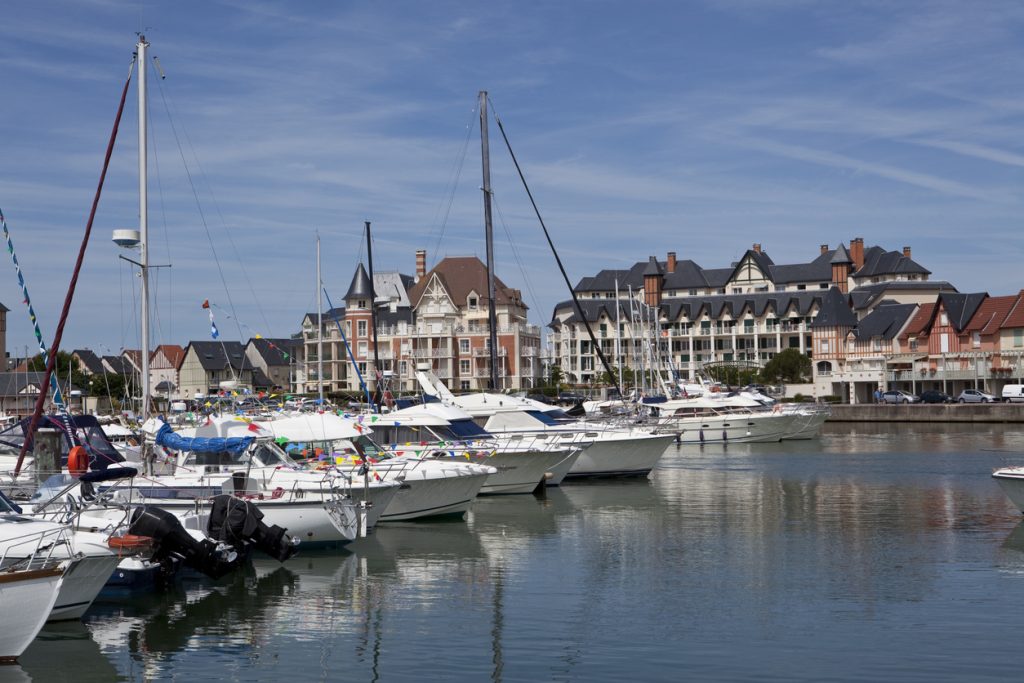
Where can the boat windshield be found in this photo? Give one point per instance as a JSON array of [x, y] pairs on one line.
[[467, 429], [543, 417], [269, 454]]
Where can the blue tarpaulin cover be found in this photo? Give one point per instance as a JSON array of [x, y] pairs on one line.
[[234, 445]]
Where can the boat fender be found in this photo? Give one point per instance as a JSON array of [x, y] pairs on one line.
[[78, 461], [701, 435], [725, 435]]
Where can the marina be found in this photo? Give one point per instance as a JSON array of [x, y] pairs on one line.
[[874, 552]]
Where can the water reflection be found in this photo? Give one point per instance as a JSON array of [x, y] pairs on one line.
[[722, 565]]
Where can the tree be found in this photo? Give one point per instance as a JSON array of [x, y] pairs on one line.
[[788, 366], [65, 367], [556, 376]]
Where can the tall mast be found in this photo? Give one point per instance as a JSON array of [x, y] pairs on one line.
[[143, 225], [618, 341], [378, 375], [319, 328], [492, 322]]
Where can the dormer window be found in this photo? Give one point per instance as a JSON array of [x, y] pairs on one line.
[[473, 303], [361, 303]]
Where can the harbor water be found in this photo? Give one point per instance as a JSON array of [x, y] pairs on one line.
[[877, 552]]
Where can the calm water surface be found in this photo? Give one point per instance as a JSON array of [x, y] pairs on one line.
[[874, 553]]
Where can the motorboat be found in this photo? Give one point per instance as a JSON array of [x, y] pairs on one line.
[[427, 487], [30, 577], [446, 432], [1011, 480]]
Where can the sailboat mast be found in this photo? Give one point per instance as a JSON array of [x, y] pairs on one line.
[[378, 375], [618, 335], [492, 322], [319, 328], [144, 224]]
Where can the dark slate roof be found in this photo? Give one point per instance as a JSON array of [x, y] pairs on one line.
[[885, 321], [866, 296], [834, 311], [818, 270], [878, 261], [119, 365], [361, 287], [652, 267], [960, 308], [675, 308], [93, 364], [387, 318], [13, 383], [329, 315], [273, 351], [211, 354], [840, 255]]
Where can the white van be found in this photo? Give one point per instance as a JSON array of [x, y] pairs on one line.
[[1013, 392]]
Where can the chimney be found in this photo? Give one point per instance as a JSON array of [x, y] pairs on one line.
[[824, 249], [421, 263], [671, 262], [906, 251], [857, 252], [757, 247]]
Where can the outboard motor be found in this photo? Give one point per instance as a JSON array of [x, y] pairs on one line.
[[173, 542], [235, 521]]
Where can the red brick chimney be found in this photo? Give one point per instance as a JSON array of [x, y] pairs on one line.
[[421, 263], [906, 251], [857, 252], [824, 249], [671, 262]]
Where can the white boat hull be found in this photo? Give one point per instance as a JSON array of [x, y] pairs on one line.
[[26, 599], [737, 428], [626, 455], [1011, 480], [519, 471], [434, 497], [806, 425], [82, 582], [562, 469]]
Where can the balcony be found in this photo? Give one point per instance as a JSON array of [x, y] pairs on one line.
[[430, 353], [485, 353]]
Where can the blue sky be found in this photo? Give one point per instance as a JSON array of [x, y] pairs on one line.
[[643, 127]]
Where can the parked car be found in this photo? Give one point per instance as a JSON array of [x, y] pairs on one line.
[[974, 396], [1013, 392], [570, 397], [897, 396], [934, 396]]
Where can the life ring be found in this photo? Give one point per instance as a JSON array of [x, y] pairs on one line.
[[78, 461], [130, 542]]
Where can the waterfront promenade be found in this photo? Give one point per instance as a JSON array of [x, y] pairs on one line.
[[928, 412]]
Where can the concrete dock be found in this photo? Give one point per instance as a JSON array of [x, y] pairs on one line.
[[928, 412]]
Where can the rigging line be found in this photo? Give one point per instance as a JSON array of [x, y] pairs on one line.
[[52, 361], [558, 260], [167, 240], [515, 253], [453, 183], [220, 215]]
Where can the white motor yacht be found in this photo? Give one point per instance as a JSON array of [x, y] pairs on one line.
[[427, 487], [1011, 480], [446, 432]]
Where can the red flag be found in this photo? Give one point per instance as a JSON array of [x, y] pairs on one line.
[[206, 303], [253, 427]]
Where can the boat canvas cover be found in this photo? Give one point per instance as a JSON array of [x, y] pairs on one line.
[[316, 428], [235, 445]]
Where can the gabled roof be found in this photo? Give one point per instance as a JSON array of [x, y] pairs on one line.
[[211, 354], [1015, 318], [989, 317], [960, 308], [921, 321], [172, 352], [118, 365], [276, 351], [14, 383], [92, 363], [393, 286], [834, 311], [593, 309], [361, 288], [866, 296], [885, 321], [693, 307], [134, 357], [878, 261], [460, 275]]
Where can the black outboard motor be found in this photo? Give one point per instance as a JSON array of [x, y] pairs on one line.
[[236, 521], [174, 543]]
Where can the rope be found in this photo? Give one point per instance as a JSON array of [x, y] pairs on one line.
[[452, 184]]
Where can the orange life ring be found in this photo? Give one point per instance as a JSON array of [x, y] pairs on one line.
[[78, 461], [130, 542]]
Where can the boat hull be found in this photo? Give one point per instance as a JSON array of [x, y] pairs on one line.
[[728, 428], [627, 455], [29, 594], [435, 496], [1011, 480], [519, 471], [83, 581]]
